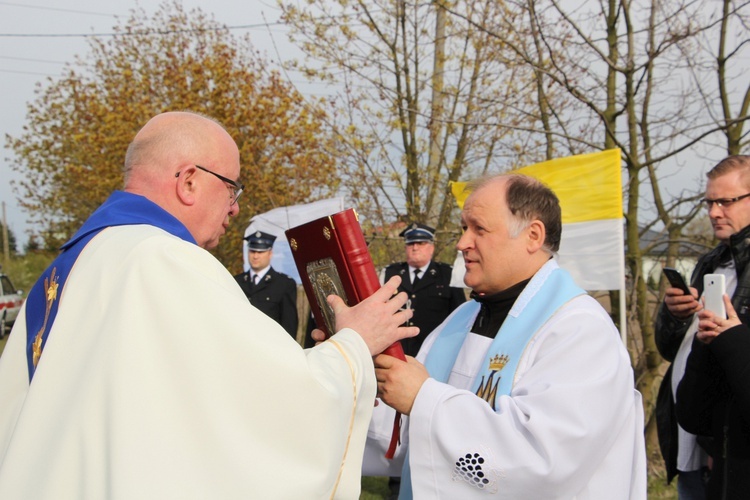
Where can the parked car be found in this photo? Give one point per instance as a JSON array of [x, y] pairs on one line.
[[11, 301]]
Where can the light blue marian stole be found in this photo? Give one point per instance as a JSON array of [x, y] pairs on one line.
[[42, 304], [549, 289]]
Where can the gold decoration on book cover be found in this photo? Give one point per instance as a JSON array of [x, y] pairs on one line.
[[325, 281]]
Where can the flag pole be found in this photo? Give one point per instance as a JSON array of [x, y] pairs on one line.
[[623, 313]]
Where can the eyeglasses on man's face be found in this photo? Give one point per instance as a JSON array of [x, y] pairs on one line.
[[235, 188], [722, 202]]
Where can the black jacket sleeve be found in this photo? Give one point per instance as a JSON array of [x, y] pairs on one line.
[[669, 332], [731, 349], [699, 390]]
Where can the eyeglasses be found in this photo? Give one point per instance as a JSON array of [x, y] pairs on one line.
[[236, 189], [722, 202]]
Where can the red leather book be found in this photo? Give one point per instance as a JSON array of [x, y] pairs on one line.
[[332, 258]]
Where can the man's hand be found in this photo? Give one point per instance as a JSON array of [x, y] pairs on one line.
[[377, 319], [318, 335], [399, 381], [682, 306], [711, 326]]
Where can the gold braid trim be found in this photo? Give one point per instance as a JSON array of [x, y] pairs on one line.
[[351, 420]]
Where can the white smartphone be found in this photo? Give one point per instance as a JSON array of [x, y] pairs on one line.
[[714, 288]]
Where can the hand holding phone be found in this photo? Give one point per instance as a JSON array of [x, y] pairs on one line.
[[714, 288], [676, 280]]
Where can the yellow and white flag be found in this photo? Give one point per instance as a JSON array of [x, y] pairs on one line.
[[590, 191]]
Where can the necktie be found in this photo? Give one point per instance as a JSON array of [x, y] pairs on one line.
[[416, 276], [255, 279]]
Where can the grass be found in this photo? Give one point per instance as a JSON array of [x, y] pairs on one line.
[[658, 489], [374, 488]]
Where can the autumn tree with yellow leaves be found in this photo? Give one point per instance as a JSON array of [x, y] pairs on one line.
[[72, 148]]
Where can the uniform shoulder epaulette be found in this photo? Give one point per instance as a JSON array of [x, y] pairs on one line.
[[287, 277], [444, 265], [280, 275]]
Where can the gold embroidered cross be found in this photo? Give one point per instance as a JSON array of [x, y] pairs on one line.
[[50, 286]]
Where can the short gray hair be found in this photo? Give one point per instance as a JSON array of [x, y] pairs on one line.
[[529, 199]]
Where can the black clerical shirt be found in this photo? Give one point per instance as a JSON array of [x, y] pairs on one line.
[[495, 309]]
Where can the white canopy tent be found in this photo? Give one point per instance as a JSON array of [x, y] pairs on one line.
[[278, 220]]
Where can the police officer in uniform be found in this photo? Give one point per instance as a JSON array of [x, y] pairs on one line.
[[272, 292], [427, 283]]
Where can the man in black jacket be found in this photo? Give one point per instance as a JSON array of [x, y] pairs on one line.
[[430, 294], [728, 202], [714, 398], [272, 292]]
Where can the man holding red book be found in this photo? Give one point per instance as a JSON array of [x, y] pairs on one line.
[[525, 391]]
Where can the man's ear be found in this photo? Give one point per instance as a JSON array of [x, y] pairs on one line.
[[535, 234], [186, 185]]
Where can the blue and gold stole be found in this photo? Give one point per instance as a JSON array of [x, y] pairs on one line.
[[549, 289], [42, 303]]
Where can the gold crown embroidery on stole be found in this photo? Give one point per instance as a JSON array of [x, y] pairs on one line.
[[498, 362]]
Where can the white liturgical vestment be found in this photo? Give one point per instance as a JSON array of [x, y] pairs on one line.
[[571, 427], [160, 381]]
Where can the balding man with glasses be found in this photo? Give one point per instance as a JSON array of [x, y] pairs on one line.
[[727, 200], [137, 368]]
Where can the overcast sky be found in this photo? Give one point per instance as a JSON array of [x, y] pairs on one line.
[[29, 53]]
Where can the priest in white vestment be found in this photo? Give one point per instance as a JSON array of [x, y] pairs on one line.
[[137, 369], [525, 392]]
